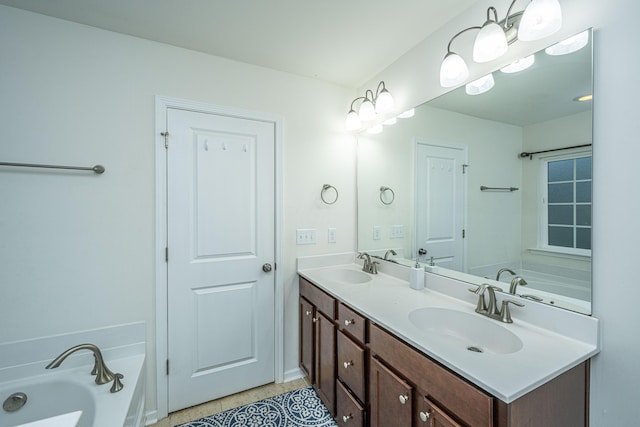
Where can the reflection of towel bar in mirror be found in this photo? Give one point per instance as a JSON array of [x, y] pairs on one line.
[[325, 188], [99, 169], [485, 188], [383, 190]]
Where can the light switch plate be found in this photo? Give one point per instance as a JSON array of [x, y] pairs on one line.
[[306, 236]]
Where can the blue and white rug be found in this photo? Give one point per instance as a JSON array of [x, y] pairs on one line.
[[298, 408]]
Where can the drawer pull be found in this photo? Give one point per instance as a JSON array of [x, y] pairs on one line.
[[347, 364], [424, 416], [346, 418], [308, 312], [403, 398], [349, 322]]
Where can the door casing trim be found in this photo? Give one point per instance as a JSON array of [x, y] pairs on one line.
[[163, 103]]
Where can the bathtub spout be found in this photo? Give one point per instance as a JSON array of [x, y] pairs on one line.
[[100, 370]]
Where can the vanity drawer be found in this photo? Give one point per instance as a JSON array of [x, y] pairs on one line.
[[349, 411], [323, 301], [457, 396], [351, 365], [352, 322]]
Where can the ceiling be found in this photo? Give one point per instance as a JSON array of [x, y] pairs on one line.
[[346, 42]]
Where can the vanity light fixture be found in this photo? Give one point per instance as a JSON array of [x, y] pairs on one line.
[[481, 85], [407, 114], [390, 121], [570, 45], [519, 65], [370, 106], [539, 19], [374, 130]]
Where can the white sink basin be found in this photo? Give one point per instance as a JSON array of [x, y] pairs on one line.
[[345, 276], [470, 330]]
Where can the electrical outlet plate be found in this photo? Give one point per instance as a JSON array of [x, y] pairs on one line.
[[306, 236], [331, 235], [377, 232]]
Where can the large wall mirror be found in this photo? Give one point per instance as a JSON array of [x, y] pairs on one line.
[[452, 187]]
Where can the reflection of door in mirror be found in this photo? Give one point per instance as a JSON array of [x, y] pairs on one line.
[[440, 203]]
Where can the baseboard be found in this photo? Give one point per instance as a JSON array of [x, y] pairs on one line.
[[293, 374], [151, 417]]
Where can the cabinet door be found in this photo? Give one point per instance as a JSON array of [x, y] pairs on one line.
[[307, 342], [390, 398], [325, 357], [430, 415]]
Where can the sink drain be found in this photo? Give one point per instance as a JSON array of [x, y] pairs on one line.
[[475, 349], [14, 402]]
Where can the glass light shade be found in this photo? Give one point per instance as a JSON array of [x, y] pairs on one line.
[[453, 70], [384, 102], [391, 121], [367, 111], [353, 121], [407, 114], [482, 85], [540, 19], [570, 45], [491, 43], [519, 65], [375, 129]]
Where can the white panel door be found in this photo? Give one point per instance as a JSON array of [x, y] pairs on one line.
[[440, 204], [220, 173]]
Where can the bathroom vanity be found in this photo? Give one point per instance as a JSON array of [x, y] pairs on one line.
[[377, 359]]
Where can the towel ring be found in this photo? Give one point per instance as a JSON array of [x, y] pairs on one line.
[[325, 188], [383, 190]]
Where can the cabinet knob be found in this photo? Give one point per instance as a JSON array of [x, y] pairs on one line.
[[347, 364], [349, 322], [424, 416], [314, 319], [403, 398], [308, 312], [346, 418]]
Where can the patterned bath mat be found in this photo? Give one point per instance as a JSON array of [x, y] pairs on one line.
[[298, 408]]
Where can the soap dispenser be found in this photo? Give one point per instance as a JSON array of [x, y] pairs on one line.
[[416, 277]]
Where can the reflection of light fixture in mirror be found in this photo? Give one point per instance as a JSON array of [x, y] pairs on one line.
[[482, 85], [491, 41], [407, 114], [584, 98], [391, 121], [371, 104], [540, 19], [373, 130], [519, 65], [570, 45]]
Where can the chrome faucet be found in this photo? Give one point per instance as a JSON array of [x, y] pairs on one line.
[[100, 370], [490, 309], [386, 254], [518, 280], [368, 265], [502, 270]]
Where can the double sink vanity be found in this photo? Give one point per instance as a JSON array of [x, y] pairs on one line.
[[382, 354]]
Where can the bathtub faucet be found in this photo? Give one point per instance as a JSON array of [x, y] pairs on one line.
[[100, 370]]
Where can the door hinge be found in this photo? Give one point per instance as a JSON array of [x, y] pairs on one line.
[[464, 168], [463, 233], [166, 254], [167, 366], [166, 139]]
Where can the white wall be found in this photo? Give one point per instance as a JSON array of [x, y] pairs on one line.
[[77, 249], [614, 375]]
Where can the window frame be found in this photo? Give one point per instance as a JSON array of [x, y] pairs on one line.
[[543, 207]]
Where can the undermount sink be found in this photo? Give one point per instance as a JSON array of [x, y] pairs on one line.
[[472, 331], [345, 276]]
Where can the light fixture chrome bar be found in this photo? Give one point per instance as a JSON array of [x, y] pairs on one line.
[[99, 169]]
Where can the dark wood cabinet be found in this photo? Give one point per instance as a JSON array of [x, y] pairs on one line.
[[367, 376], [390, 397]]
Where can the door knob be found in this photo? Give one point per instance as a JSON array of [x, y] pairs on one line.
[[266, 267]]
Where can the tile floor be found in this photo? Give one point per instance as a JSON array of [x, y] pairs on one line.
[[229, 402]]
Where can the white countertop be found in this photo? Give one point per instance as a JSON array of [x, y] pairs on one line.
[[561, 343]]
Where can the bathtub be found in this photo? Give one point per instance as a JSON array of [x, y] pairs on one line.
[[55, 398], [68, 395]]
